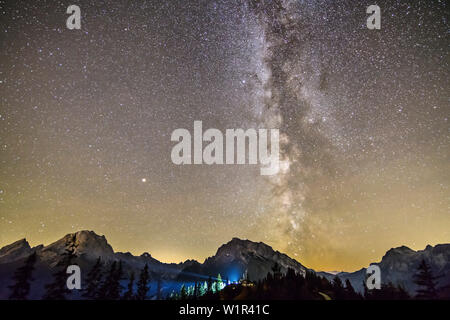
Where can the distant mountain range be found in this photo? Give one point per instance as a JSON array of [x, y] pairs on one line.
[[232, 260], [399, 265]]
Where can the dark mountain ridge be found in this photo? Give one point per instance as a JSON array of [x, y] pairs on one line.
[[234, 260], [399, 265]]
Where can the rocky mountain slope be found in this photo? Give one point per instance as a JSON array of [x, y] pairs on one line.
[[400, 264], [89, 246], [239, 258], [233, 260]]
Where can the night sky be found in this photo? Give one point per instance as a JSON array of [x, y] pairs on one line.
[[86, 118]]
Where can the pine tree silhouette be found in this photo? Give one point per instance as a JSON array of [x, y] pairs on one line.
[[202, 289], [111, 288], [366, 293], [116, 287], [129, 294], [350, 292], [183, 292], [143, 287], [158, 289], [104, 291], [349, 287], [23, 277], [209, 287], [93, 281], [426, 280], [196, 287], [219, 282], [338, 288], [57, 290]]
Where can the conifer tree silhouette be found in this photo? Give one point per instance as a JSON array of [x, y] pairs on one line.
[[338, 288], [93, 281], [219, 282], [202, 289], [158, 289], [209, 287], [183, 292], [425, 279], [350, 292], [195, 294], [57, 290], [116, 288], [129, 294], [22, 277], [111, 288], [143, 287]]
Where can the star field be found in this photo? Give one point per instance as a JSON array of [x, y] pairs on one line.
[[86, 118]]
